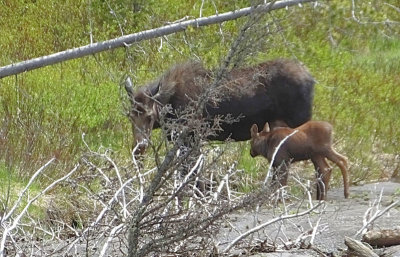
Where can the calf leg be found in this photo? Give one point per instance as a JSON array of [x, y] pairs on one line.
[[323, 173], [281, 173], [341, 162], [279, 178]]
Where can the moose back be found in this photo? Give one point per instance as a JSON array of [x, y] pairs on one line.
[[280, 89]]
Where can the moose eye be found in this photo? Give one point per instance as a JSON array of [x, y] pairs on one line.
[[136, 113], [148, 118]]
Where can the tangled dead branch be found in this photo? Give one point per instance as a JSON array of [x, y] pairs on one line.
[[176, 204]]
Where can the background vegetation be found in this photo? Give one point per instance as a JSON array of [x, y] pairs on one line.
[[44, 113]]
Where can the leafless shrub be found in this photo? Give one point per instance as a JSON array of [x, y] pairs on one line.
[[177, 201], [173, 216]]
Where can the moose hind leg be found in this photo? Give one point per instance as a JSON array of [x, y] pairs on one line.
[[337, 158], [323, 173], [341, 162]]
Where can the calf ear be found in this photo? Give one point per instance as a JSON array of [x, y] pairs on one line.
[[266, 127], [155, 111], [254, 130]]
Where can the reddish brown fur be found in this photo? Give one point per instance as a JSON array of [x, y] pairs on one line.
[[313, 140]]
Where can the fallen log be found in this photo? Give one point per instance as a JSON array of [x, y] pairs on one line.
[[384, 237], [357, 248]]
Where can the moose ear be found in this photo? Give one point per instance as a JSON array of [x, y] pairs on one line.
[[164, 92], [129, 88], [266, 127], [254, 130]]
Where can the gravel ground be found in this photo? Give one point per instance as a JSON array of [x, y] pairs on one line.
[[341, 217]]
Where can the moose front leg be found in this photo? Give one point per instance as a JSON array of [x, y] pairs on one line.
[[279, 178], [323, 172], [281, 173]]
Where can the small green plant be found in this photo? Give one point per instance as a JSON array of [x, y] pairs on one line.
[[11, 188]]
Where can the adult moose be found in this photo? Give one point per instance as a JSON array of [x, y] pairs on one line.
[[280, 89]]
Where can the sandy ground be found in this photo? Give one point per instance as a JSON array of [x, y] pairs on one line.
[[341, 217]]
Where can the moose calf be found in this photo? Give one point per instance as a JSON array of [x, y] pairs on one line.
[[313, 140]]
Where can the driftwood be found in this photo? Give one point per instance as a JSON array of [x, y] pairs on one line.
[[384, 237], [357, 248]]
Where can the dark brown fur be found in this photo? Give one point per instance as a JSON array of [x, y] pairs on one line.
[[274, 90], [312, 141]]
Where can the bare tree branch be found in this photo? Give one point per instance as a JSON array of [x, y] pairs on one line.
[[74, 53], [360, 21], [9, 226], [269, 222], [269, 173], [375, 216]]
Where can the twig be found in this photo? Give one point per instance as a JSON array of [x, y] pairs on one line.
[[387, 21], [376, 216], [110, 237], [314, 232], [259, 227], [274, 155], [101, 215], [22, 193], [15, 223]]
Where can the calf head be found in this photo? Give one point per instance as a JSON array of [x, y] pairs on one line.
[[259, 140]]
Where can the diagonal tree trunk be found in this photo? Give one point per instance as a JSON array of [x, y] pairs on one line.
[[78, 52]]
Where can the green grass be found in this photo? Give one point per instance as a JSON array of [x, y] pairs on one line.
[[11, 187], [43, 113]]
